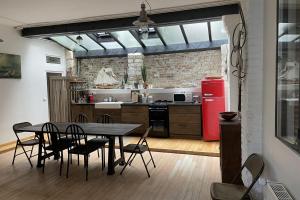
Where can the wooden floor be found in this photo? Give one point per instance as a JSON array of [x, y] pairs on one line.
[[180, 146], [169, 145], [176, 177]]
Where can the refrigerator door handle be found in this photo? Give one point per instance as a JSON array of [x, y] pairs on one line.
[[208, 94]]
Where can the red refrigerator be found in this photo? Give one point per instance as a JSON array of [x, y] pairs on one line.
[[213, 102]]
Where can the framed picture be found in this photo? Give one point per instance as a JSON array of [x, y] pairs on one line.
[[10, 66]]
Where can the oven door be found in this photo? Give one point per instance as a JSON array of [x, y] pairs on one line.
[[158, 119]]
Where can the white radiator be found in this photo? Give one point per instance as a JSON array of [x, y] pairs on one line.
[[276, 191]]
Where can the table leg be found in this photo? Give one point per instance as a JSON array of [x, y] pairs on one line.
[[121, 150], [39, 159], [54, 143], [111, 156]]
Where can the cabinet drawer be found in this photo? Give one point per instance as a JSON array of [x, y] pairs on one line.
[[134, 118], [184, 109], [185, 129], [185, 118], [135, 109]]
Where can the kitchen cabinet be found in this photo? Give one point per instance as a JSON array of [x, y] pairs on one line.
[[114, 113], [87, 109], [138, 114], [230, 150], [185, 121]]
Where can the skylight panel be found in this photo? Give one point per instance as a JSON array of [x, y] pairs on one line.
[[126, 38], [218, 31], [87, 42], [172, 34], [68, 43], [197, 32]]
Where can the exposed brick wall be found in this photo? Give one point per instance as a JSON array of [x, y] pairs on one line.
[[165, 70], [182, 69], [89, 68]]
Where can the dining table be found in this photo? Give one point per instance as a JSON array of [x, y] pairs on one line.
[[110, 131]]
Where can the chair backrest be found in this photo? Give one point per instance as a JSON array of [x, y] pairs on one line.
[[82, 118], [51, 132], [144, 136], [105, 119], [79, 138], [255, 165], [18, 126]]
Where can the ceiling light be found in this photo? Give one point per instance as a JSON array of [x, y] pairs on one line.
[[143, 21]]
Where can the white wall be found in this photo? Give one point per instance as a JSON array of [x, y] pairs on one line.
[[22, 99], [258, 103], [283, 164]]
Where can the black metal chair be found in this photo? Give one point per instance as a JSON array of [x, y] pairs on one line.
[[104, 119], [27, 143], [82, 118], [223, 191], [139, 148], [55, 142], [81, 146]]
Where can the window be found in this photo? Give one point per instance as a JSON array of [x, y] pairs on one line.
[[288, 69]]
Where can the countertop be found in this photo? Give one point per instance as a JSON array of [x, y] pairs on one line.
[[147, 104], [169, 104]]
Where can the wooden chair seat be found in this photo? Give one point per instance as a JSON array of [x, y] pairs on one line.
[[226, 191]]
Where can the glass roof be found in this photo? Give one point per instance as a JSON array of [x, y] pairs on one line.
[[196, 32], [111, 45], [87, 42], [150, 42], [126, 38], [218, 31], [67, 42], [171, 34]]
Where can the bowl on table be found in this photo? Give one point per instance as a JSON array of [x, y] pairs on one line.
[[227, 116]]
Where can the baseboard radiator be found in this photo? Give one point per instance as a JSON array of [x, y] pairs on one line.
[[276, 191]]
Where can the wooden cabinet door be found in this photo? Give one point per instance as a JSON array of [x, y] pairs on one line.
[[136, 115]]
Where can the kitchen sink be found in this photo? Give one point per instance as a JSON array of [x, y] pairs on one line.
[[108, 105]]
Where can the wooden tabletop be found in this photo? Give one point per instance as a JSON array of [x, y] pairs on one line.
[[91, 128]]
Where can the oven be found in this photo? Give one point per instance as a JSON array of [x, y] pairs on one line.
[[159, 120]]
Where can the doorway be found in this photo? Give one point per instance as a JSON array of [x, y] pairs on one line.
[[49, 75]]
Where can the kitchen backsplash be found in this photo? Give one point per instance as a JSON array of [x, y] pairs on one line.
[[180, 70]]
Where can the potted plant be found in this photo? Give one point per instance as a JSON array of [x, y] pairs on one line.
[[144, 76]]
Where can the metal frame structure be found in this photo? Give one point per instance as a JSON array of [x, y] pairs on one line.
[[180, 18]]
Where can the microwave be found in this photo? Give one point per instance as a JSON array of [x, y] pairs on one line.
[[179, 97]]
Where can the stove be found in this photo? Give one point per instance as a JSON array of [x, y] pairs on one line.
[[159, 118]]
